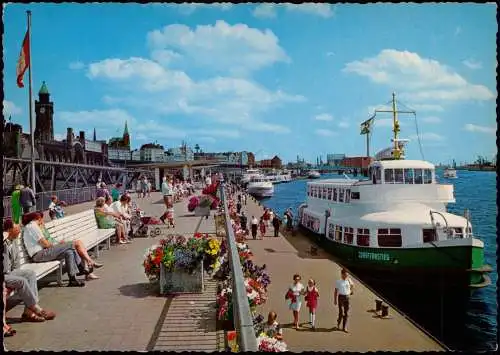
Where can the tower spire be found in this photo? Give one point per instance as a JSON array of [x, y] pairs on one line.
[[94, 135], [126, 129]]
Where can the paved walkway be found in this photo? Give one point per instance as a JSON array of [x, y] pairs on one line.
[[285, 257], [120, 311]]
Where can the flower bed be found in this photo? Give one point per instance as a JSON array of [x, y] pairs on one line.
[[207, 199], [178, 253]]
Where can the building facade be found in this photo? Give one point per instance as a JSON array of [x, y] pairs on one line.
[[356, 162], [334, 159]]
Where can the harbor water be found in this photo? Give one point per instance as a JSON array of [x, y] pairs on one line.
[[465, 320]]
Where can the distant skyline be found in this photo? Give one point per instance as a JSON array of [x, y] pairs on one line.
[[282, 80]]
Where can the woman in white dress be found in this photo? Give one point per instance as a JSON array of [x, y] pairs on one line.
[[295, 291]]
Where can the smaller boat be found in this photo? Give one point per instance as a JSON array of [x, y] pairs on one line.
[[248, 175], [260, 186], [285, 176], [450, 173], [314, 174]]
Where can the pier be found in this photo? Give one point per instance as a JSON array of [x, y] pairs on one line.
[[121, 311]]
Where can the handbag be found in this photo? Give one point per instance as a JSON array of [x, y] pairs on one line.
[[289, 294]]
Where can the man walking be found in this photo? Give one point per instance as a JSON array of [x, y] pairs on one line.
[[343, 290], [238, 207], [255, 226], [27, 199], [243, 221], [276, 224]]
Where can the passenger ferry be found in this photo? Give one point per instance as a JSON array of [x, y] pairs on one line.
[[313, 174], [394, 225], [259, 186], [249, 174]]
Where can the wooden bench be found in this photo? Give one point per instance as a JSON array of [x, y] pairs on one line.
[[81, 226]]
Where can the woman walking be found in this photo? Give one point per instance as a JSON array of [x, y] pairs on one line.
[[293, 294], [262, 226]]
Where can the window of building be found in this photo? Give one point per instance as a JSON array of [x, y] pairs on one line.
[[341, 195], [429, 235], [348, 235], [418, 176], [398, 176], [363, 237], [408, 176], [347, 195], [330, 193], [355, 195], [427, 176], [338, 233], [331, 231], [390, 237], [335, 194], [389, 176]]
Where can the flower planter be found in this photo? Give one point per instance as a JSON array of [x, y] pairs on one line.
[[202, 211], [181, 281]]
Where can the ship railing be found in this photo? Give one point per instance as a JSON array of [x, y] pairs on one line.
[[69, 196], [243, 319]]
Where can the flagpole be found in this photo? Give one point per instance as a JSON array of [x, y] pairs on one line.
[[32, 133]]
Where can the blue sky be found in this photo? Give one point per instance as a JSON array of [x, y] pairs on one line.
[[272, 79]]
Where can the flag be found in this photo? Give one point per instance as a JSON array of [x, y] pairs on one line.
[[365, 126], [24, 60]]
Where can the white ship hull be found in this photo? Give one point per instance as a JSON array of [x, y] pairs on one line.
[[261, 189], [450, 173]]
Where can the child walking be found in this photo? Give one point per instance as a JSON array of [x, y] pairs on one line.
[[311, 297]]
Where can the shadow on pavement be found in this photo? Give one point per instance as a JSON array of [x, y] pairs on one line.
[[140, 290]]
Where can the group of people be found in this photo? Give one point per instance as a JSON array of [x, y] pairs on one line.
[[143, 187], [23, 200]]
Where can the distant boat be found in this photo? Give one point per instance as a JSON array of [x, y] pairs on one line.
[[260, 186], [313, 174], [450, 173]]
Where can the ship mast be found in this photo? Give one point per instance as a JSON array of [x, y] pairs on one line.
[[395, 127]]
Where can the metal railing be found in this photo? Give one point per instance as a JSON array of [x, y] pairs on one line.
[[70, 196], [243, 320]]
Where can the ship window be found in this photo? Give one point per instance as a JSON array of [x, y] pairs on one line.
[[378, 173], [338, 233], [354, 195], [348, 235], [398, 176], [347, 195], [331, 232], [458, 232], [408, 176], [363, 237], [308, 190], [427, 176], [418, 176], [341, 195], [389, 176], [330, 193], [389, 237], [429, 235], [334, 194], [324, 193]]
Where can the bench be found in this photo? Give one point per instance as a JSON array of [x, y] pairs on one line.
[[81, 226]]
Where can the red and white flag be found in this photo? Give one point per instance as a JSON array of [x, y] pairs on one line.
[[24, 60]]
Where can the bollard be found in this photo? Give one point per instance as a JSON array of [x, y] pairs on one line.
[[385, 310], [378, 305]]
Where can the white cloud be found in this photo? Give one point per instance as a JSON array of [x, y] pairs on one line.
[[383, 122], [431, 119], [418, 79], [324, 132], [458, 30], [426, 107], [429, 136], [189, 8], [264, 11], [223, 47], [10, 108], [344, 124], [481, 129], [207, 139], [59, 136], [321, 10], [100, 118], [165, 57], [330, 54], [76, 65], [472, 64], [324, 117]]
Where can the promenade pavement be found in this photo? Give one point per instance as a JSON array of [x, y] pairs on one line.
[[121, 311], [285, 257]]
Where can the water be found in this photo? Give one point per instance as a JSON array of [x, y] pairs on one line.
[[470, 324]]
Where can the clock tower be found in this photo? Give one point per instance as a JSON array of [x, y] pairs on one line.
[[44, 111]]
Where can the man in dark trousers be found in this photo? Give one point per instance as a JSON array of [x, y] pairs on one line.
[[276, 224], [255, 226], [238, 207], [343, 291], [27, 199], [243, 221]]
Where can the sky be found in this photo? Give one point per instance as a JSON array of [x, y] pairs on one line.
[[271, 79]]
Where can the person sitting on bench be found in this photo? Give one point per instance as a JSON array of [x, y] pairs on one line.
[[23, 282]]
